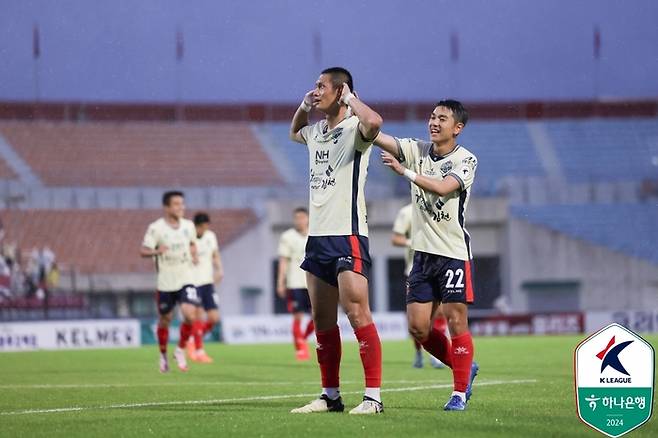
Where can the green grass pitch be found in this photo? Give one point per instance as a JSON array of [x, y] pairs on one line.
[[524, 389]]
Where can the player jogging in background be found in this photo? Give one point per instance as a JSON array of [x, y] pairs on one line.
[[402, 238], [291, 280], [441, 172], [171, 241], [337, 261], [206, 274]]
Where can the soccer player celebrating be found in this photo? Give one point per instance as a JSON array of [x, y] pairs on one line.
[[337, 261], [206, 274], [402, 238], [171, 241], [291, 279], [441, 172]]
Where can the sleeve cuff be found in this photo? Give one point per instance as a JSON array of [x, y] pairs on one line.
[[458, 178]]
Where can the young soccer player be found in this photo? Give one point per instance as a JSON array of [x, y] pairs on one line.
[[291, 280], [206, 274], [441, 172], [402, 238], [337, 260], [171, 241]]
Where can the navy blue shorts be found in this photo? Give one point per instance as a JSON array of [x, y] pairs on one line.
[[207, 296], [328, 256], [168, 300], [437, 278], [298, 301]]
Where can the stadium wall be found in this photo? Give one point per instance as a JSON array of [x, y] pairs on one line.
[[549, 271]]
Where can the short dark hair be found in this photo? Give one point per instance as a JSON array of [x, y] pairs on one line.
[[301, 210], [459, 113], [166, 198], [339, 76], [201, 218]]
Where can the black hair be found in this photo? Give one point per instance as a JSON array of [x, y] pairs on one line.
[[201, 218], [166, 198], [459, 113], [301, 210], [339, 76]]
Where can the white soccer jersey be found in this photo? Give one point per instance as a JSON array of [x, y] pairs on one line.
[[402, 225], [174, 267], [338, 160], [292, 245], [438, 225], [206, 245]]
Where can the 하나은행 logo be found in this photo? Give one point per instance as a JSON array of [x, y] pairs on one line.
[[614, 379]]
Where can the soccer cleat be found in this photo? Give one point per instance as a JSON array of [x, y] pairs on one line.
[[368, 406], [164, 363], [474, 372], [202, 357], [190, 348], [302, 353], [455, 404], [436, 363], [418, 360], [179, 355], [322, 404]]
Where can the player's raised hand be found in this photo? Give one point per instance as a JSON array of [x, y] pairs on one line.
[[307, 102], [346, 95], [392, 163]]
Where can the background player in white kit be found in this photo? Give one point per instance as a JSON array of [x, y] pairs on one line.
[[337, 261], [171, 241], [291, 280], [206, 274], [402, 238], [441, 172]]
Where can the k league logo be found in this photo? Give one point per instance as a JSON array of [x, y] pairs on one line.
[[614, 376]]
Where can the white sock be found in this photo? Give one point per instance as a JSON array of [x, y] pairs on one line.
[[461, 395], [374, 393], [332, 393]]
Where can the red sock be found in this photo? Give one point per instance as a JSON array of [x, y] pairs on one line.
[[163, 338], [329, 350], [297, 335], [440, 324], [207, 327], [185, 332], [438, 345], [462, 358], [416, 344], [310, 328], [370, 349], [197, 333]]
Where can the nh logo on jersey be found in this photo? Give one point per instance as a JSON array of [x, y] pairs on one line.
[[614, 374], [322, 157]]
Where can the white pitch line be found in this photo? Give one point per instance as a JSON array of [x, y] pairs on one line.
[[157, 384], [242, 399]]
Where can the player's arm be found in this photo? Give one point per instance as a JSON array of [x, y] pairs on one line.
[[194, 253], [442, 187], [300, 119], [401, 240], [150, 246], [389, 144], [370, 122], [281, 277], [146, 252], [218, 267]]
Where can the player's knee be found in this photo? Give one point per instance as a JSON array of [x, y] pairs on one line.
[[359, 317], [419, 332]]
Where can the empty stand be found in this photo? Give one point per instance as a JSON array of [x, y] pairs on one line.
[[142, 154], [104, 241], [627, 228]]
